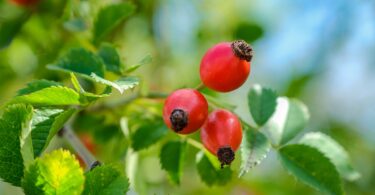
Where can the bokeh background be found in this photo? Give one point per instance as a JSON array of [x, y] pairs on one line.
[[321, 52]]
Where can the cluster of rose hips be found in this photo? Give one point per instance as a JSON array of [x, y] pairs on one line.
[[223, 68]]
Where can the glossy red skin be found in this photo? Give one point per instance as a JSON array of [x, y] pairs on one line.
[[25, 2], [192, 102], [222, 128], [222, 70]]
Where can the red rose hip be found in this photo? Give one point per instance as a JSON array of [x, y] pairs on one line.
[[185, 111], [226, 66], [221, 134], [24, 2]]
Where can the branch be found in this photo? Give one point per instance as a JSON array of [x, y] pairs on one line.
[[89, 159], [123, 101]]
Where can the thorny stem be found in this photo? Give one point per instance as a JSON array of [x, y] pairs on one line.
[[68, 134]]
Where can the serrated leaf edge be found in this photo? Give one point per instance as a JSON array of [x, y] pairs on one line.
[[249, 165], [329, 160]]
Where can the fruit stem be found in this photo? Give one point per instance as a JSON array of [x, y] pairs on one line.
[[67, 133], [195, 143], [200, 87]]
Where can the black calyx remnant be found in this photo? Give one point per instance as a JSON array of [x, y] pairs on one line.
[[225, 155], [95, 164], [179, 119], [242, 50]]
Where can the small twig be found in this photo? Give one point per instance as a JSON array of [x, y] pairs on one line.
[[89, 159], [155, 95]]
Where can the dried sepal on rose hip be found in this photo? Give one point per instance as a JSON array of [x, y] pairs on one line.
[[221, 134], [185, 111], [226, 66]]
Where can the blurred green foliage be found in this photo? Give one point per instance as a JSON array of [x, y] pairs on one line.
[[32, 38]]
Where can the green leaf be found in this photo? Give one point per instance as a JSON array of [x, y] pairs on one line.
[[297, 83], [90, 97], [209, 173], [46, 123], [55, 173], [110, 58], [14, 130], [75, 25], [334, 151], [172, 157], [106, 180], [110, 17], [148, 134], [311, 167], [11, 25], [122, 84], [254, 148], [30, 180], [248, 32], [262, 104], [87, 96], [146, 60], [75, 83], [50, 96], [80, 61], [26, 140], [37, 85], [290, 117]]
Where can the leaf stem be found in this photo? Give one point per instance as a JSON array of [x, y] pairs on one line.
[[68, 134], [247, 124]]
